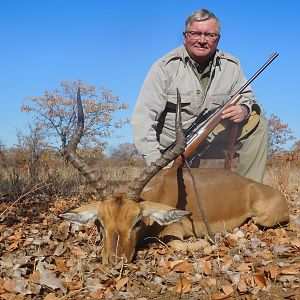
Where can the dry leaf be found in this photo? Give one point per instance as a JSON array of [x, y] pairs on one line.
[[60, 265], [244, 267], [260, 280], [206, 267], [273, 271], [64, 230], [295, 243], [198, 245], [265, 254], [9, 286], [207, 250], [13, 246], [78, 251], [218, 296], [97, 294], [183, 286], [227, 261], [74, 286], [242, 285], [49, 278], [208, 282], [34, 277], [184, 266], [27, 242], [166, 264], [161, 270], [222, 251], [161, 251], [172, 264], [280, 232], [9, 296], [51, 296], [227, 289], [108, 293], [61, 249], [70, 263], [230, 241], [288, 271], [122, 282], [17, 235]]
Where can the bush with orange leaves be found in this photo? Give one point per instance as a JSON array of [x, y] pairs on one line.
[[56, 111], [280, 135]]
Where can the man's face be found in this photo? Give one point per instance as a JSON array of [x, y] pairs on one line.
[[199, 44]]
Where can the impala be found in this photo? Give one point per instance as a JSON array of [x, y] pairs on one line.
[[163, 202]]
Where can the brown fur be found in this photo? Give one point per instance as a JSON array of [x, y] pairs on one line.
[[227, 198]]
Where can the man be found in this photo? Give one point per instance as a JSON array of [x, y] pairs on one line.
[[206, 78]]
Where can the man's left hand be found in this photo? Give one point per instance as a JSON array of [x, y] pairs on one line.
[[236, 113]]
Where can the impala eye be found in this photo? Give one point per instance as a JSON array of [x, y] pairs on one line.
[[138, 224], [99, 224]]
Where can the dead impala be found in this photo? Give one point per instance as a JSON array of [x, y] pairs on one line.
[[162, 202]]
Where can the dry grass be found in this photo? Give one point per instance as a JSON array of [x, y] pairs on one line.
[[62, 179], [285, 178]]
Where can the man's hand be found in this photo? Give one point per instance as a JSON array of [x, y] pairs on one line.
[[236, 113]]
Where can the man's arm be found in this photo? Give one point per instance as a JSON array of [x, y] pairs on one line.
[[150, 105]]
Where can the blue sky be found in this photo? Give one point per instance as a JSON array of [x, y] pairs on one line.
[[114, 43]]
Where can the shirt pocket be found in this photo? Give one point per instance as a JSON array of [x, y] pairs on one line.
[[218, 100], [186, 102]]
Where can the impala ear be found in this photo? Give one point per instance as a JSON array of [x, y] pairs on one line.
[[83, 215], [161, 213], [81, 219]]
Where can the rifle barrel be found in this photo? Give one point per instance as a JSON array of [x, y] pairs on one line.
[[272, 57]]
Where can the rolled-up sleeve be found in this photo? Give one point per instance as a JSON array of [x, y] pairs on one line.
[[150, 105]]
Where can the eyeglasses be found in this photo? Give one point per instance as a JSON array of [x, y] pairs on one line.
[[196, 35]]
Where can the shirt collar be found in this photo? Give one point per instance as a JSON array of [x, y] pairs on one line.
[[186, 58]]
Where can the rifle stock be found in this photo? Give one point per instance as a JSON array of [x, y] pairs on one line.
[[204, 131]]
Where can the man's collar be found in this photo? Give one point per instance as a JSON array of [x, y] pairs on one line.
[[215, 61]]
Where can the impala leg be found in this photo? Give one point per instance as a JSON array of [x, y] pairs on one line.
[[174, 234], [271, 211]]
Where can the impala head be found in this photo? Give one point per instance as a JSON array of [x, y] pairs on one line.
[[122, 217], [122, 222]]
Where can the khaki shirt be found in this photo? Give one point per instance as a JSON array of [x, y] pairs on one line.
[[153, 119]]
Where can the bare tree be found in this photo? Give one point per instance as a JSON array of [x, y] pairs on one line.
[[31, 146], [56, 112], [3, 163], [125, 153], [280, 135], [296, 146], [2, 150]]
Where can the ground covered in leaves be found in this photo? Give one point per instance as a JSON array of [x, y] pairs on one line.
[[43, 257]]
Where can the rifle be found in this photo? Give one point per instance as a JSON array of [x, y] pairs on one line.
[[189, 132], [197, 137]]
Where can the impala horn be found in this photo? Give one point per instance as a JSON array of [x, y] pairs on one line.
[[137, 185], [91, 175]]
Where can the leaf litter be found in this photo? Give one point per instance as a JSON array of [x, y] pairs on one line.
[[47, 258]]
